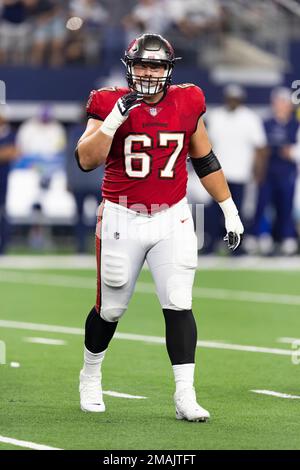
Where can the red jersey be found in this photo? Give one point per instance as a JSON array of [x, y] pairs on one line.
[[146, 164]]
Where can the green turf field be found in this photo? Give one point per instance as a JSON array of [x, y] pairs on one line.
[[40, 402]]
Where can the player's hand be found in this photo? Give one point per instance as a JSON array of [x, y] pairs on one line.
[[120, 113], [235, 230], [233, 224], [128, 102]]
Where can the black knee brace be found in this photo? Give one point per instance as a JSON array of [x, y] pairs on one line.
[[181, 336], [98, 332]]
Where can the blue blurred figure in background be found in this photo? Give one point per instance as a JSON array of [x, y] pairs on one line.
[[8, 153], [278, 188]]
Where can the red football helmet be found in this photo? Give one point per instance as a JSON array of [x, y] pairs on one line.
[[149, 48]]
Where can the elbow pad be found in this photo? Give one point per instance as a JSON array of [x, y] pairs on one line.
[[78, 162], [205, 165]]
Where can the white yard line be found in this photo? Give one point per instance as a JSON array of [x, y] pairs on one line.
[[124, 395], [143, 338], [15, 365], [27, 444], [245, 348], [56, 280], [246, 296], [41, 327], [276, 394], [249, 263], [289, 340], [52, 342], [147, 288], [216, 263], [48, 262]]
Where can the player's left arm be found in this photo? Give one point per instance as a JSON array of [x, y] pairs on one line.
[[206, 165], [208, 168]]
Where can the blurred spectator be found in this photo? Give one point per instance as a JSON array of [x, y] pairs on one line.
[[195, 29], [146, 16], [13, 31], [239, 141], [41, 141], [198, 16], [94, 16], [48, 31], [74, 48], [82, 185], [43, 138], [8, 153], [114, 42], [90, 11], [277, 190]]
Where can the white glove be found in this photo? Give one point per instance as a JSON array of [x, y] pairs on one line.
[[120, 113], [233, 224]]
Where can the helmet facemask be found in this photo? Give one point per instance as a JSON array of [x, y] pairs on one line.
[[152, 49], [148, 85]]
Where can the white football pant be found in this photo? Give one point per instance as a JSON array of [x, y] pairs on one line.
[[125, 239]]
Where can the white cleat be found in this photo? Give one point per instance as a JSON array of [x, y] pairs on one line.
[[187, 406], [90, 390]]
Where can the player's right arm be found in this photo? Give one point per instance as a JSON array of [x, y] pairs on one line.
[[94, 145]]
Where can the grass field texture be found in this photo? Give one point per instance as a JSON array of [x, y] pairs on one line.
[[40, 400]]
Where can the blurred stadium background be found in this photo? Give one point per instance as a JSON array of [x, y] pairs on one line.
[[52, 53]]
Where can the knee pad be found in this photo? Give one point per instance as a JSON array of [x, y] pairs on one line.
[[115, 275], [179, 292], [112, 314], [115, 269]]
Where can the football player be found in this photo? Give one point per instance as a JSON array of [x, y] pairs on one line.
[[143, 135]]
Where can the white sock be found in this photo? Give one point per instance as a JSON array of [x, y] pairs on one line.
[[184, 376], [92, 362]]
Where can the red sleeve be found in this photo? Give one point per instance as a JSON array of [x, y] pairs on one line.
[[197, 100], [102, 101], [94, 107], [193, 97]]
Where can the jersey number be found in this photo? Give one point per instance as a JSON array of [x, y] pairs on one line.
[[144, 158]]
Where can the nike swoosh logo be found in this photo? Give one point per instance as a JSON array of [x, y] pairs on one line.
[[184, 220]]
